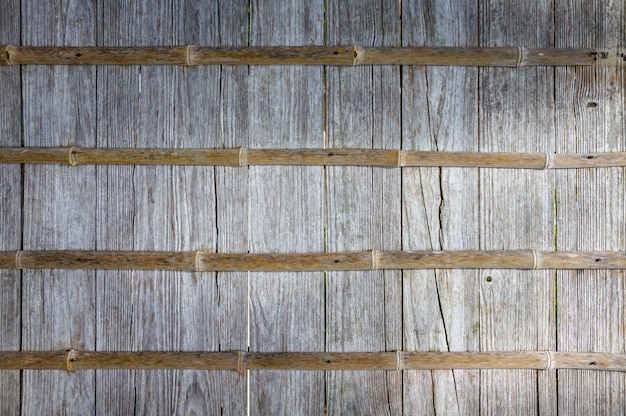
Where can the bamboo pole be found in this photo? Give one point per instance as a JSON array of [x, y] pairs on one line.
[[241, 361], [203, 261], [301, 55], [311, 157]]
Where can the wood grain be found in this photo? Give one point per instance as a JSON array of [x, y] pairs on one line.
[[231, 187], [591, 213], [517, 208], [130, 313], [11, 196], [363, 309], [440, 208], [162, 310], [59, 110], [286, 206]]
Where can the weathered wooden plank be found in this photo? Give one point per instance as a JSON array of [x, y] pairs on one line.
[[591, 212], [440, 208], [517, 209], [286, 207], [166, 208], [363, 309], [200, 122], [231, 187], [124, 94], [59, 204], [11, 209]]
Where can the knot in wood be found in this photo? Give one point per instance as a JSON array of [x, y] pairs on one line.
[[5, 55]]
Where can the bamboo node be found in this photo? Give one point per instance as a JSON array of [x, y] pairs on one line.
[[18, 259], [241, 359], [188, 55], [401, 158], [534, 252], [243, 157], [5, 56], [550, 364], [521, 55], [549, 161], [358, 55], [69, 359], [198, 260], [70, 157], [375, 254], [399, 360]]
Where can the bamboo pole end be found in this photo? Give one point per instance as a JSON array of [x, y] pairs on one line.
[[70, 358], [550, 361], [5, 55], [241, 362]]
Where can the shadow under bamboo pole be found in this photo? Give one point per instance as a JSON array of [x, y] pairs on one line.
[[203, 261], [306, 157], [241, 361], [190, 55]]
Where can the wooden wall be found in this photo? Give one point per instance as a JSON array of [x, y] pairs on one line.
[[297, 209]]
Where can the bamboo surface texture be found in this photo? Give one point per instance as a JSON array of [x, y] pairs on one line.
[[202, 261], [309, 157], [351, 361], [302, 55]]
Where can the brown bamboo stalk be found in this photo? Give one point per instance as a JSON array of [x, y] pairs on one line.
[[311, 157], [202, 261], [330, 361], [296, 55]]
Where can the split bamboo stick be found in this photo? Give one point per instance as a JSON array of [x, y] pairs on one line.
[[301, 55], [353, 361], [311, 157], [202, 261]]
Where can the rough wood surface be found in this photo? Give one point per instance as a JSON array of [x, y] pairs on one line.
[[10, 210], [59, 109], [590, 206], [516, 208], [286, 206], [440, 208], [363, 309], [261, 208]]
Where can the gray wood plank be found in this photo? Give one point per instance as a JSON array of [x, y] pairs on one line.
[[218, 321], [10, 209], [165, 208], [516, 208], [126, 116], [363, 309], [591, 214], [440, 208], [59, 206], [286, 208], [232, 203]]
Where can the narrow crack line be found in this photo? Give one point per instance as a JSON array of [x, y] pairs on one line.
[[22, 202]]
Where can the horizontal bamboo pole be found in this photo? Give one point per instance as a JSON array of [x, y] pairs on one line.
[[241, 361], [201, 260], [297, 55], [311, 157]]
